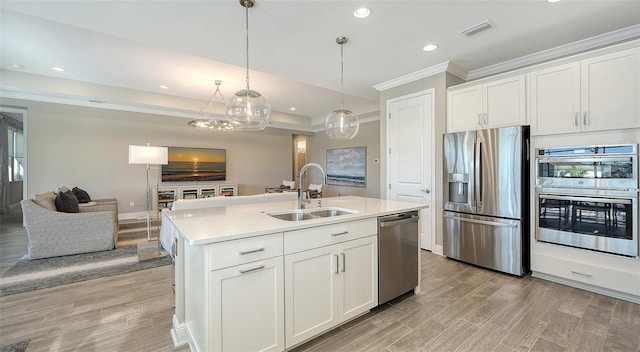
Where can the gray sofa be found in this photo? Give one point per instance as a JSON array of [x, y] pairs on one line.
[[52, 233]]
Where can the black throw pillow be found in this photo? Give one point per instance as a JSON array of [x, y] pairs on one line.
[[66, 202], [81, 194]]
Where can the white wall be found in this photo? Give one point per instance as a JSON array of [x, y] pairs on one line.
[[88, 148]]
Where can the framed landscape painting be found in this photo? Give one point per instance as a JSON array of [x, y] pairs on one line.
[[195, 164], [347, 167]]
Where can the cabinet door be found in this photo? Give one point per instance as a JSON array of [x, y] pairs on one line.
[[310, 293], [504, 102], [554, 100], [464, 109], [610, 91], [248, 307], [359, 277]]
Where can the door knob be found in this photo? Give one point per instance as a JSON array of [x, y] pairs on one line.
[[427, 191]]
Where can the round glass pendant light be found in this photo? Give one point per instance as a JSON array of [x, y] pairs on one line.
[[247, 110], [341, 123], [208, 118]]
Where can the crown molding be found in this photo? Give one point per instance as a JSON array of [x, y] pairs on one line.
[[621, 35], [446, 66]]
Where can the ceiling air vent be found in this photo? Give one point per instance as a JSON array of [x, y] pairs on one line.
[[477, 28]]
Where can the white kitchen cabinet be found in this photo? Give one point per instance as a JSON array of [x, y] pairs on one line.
[[236, 290], [330, 284], [611, 275], [358, 285], [599, 93], [610, 90], [489, 104], [311, 293], [247, 302]]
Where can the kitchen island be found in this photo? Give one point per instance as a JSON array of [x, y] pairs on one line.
[[246, 280]]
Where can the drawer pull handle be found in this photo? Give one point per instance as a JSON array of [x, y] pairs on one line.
[[252, 269], [581, 274], [340, 233], [251, 251]]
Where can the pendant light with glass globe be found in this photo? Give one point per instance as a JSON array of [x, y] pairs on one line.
[[208, 118], [341, 123], [247, 110]]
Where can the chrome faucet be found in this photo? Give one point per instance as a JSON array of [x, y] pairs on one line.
[[302, 202]]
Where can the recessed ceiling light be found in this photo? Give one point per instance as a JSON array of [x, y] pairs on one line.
[[292, 108], [553, 0], [17, 66], [164, 87], [430, 47], [362, 12], [58, 69]]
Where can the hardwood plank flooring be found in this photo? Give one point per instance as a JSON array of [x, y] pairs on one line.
[[462, 308]]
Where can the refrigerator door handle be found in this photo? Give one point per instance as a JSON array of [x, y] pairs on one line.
[[478, 173], [481, 222]]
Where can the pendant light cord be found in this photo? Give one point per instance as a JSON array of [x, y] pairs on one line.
[[246, 7], [342, 74]]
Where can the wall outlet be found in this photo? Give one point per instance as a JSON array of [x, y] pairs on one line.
[[132, 204]]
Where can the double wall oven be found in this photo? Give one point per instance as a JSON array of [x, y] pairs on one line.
[[587, 197]]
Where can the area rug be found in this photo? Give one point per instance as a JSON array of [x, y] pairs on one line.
[[29, 275], [15, 347]]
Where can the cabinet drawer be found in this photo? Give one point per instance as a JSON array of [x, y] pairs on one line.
[[230, 253], [601, 276], [300, 240]]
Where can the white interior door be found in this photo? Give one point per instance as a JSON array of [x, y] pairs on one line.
[[410, 140]]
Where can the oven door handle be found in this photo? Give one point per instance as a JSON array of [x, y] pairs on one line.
[[593, 159], [481, 222], [586, 199]]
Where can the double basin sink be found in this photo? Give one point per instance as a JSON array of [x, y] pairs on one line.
[[309, 214]]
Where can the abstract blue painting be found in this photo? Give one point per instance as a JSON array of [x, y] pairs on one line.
[[347, 167]]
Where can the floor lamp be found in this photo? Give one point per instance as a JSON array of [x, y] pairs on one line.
[[149, 155]]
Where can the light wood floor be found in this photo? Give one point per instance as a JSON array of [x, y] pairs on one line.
[[461, 308]]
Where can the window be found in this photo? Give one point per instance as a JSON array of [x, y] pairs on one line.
[[16, 155]]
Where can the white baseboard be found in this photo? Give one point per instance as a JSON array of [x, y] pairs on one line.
[[179, 333]]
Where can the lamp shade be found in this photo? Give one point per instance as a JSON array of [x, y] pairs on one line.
[[146, 154]]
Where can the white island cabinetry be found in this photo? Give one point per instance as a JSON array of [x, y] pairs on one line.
[[242, 295], [248, 281], [331, 277]]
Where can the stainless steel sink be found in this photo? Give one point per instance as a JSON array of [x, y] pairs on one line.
[[330, 212], [308, 214]]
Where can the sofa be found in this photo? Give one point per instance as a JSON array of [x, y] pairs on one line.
[[52, 233], [168, 233]]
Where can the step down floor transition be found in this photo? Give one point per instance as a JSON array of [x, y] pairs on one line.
[[149, 251]]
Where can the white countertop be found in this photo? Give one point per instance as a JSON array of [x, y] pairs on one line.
[[209, 225]]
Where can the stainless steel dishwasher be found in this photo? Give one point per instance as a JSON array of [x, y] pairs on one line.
[[397, 255]]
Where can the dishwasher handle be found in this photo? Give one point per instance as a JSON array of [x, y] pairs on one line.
[[388, 223]]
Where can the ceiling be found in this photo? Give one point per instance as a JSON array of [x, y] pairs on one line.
[[294, 57]]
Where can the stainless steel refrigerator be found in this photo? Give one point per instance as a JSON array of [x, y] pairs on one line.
[[486, 198]]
